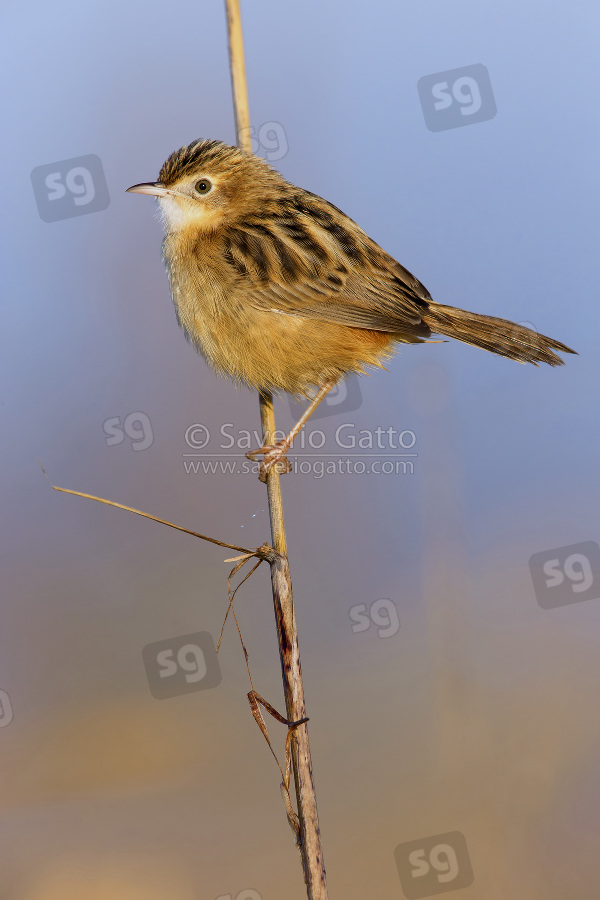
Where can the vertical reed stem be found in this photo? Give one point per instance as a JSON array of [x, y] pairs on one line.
[[289, 653]]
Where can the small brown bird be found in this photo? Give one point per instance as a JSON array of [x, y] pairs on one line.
[[279, 289]]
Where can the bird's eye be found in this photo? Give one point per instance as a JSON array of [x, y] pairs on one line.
[[203, 186]]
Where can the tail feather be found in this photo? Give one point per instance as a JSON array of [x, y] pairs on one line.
[[496, 335]]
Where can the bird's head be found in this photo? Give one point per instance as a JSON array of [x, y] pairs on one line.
[[208, 184]]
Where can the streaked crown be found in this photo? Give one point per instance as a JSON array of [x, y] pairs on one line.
[[201, 155]]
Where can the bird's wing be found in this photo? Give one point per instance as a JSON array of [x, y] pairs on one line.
[[307, 258]]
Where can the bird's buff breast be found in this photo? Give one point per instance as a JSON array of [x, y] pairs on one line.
[[265, 349]]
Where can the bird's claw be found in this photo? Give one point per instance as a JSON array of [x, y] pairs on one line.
[[273, 455]]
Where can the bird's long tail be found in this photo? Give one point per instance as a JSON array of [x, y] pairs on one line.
[[496, 335]]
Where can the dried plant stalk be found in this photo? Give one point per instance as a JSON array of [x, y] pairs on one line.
[[289, 653]]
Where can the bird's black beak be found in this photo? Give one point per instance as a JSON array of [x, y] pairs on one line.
[[150, 187]]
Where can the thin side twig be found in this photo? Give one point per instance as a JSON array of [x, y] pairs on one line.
[[139, 512], [289, 652]]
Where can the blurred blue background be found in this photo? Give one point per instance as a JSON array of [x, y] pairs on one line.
[[475, 709]]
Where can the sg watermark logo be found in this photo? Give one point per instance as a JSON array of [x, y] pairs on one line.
[[136, 426], [344, 397], [269, 140], [6, 710], [457, 97], [247, 894], [434, 865], [566, 575], [71, 187], [382, 613], [181, 665]]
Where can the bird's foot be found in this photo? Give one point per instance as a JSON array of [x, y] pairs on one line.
[[273, 455]]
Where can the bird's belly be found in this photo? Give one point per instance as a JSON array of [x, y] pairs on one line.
[[274, 351], [266, 349]]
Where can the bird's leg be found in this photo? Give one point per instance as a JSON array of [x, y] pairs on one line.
[[275, 453]]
